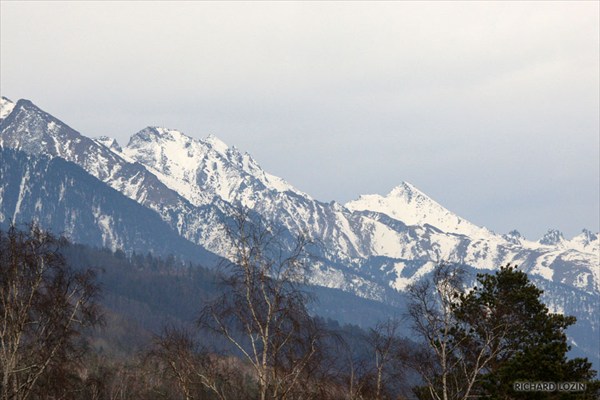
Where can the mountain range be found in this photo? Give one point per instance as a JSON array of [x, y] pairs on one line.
[[167, 192]]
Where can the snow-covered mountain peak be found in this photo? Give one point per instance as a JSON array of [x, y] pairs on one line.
[[515, 233], [405, 189], [109, 142], [153, 134], [403, 194], [34, 131], [162, 136], [6, 107], [216, 143], [514, 237], [553, 237], [586, 241], [588, 235], [200, 169], [408, 204]]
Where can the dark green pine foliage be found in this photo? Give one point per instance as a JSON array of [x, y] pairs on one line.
[[530, 341]]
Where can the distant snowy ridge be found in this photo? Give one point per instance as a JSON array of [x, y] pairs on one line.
[[202, 170], [373, 246], [30, 129], [586, 242], [183, 178], [199, 169]]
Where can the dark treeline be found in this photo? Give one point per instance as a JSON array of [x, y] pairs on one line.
[[86, 323]]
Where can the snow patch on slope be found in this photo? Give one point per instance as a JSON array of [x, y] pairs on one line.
[[401, 282], [6, 107], [586, 241]]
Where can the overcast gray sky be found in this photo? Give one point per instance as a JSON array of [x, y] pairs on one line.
[[492, 109]]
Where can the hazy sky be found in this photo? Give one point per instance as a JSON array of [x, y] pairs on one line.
[[492, 109]]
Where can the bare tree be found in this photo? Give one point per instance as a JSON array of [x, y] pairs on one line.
[[194, 369], [110, 378], [431, 312], [44, 306], [452, 360], [386, 348], [354, 383], [373, 367], [262, 313]]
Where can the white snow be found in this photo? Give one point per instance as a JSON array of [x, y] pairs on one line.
[[6, 107], [542, 266], [385, 241], [23, 189], [408, 204], [105, 223], [216, 143], [402, 282], [586, 242], [199, 169]]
